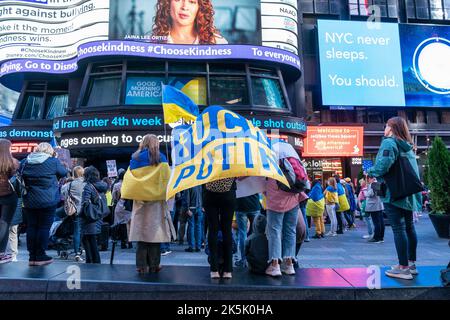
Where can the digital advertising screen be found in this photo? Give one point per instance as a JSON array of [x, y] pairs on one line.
[[384, 64]]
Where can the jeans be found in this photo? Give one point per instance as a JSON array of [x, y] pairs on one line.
[[340, 221], [76, 234], [38, 230], [405, 236], [369, 223], [91, 248], [195, 229], [8, 205], [182, 230], [281, 231], [303, 209], [331, 211], [241, 219], [378, 223], [166, 245], [349, 218]]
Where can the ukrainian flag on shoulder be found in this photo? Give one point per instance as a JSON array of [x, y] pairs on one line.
[[177, 105], [343, 201], [316, 202], [145, 182]]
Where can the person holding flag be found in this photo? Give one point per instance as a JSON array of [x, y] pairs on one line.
[[315, 208]]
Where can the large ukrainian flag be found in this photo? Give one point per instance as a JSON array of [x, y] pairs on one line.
[[144, 182], [316, 202], [177, 105], [343, 202]]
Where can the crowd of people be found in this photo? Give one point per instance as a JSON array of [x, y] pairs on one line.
[[266, 229]]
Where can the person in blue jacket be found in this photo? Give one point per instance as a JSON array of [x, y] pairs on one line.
[[41, 171], [397, 141]]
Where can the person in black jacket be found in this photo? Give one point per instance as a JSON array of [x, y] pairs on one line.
[[257, 246], [41, 171], [93, 191]]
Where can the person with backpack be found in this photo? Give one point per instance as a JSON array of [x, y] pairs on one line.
[[40, 172], [331, 201], [374, 207], [350, 194], [397, 150], [93, 195], [342, 206], [362, 205], [256, 246], [8, 196], [74, 191], [219, 200]]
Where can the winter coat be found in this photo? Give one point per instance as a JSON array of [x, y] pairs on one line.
[[257, 246], [151, 222], [373, 201], [41, 174], [89, 194], [5, 187], [76, 188], [192, 198], [389, 151]]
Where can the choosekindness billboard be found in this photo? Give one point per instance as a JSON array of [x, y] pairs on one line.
[[384, 64], [52, 35]]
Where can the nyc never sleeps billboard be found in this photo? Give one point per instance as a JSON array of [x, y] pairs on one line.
[[384, 64], [55, 29]]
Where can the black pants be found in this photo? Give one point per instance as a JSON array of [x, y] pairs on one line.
[[39, 222], [219, 209], [340, 222], [8, 205], [148, 256], [378, 223], [91, 248]]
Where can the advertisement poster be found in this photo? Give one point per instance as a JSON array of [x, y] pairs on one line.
[[322, 141], [355, 72], [112, 168]]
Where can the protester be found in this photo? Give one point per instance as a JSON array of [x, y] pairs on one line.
[[151, 223], [362, 205], [122, 211], [282, 217], [75, 189], [219, 202], [247, 208], [257, 246], [315, 208], [374, 207], [40, 171], [331, 201], [93, 192], [397, 142], [8, 196], [350, 194], [192, 207], [342, 206], [183, 218]]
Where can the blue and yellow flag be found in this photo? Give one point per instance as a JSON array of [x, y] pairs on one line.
[[177, 105], [316, 202], [220, 144], [343, 202], [145, 182]]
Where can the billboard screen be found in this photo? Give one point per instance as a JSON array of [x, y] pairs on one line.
[[384, 64], [322, 141]]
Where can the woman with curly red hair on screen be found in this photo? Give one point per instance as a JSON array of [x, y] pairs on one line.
[[186, 22]]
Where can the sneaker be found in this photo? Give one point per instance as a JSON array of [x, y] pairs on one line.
[[227, 275], [396, 272], [5, 258], [367, 236], [44, 260], [413, 270], [307, 240], [14, 259], [165, 252], [214, 275], [374, 241], [189, 249], [78, 258], [334, 234], [329, 234], [273, 271], [287, 269]]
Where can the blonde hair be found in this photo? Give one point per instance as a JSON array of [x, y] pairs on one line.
[[78, 172], [150, 142], [45, 147], [332, 182], [362, 181]]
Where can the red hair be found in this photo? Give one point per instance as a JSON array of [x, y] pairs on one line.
[[204, 22]]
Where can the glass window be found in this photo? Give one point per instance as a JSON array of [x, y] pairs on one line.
[[226, 68], [375, 117], [104, 67], [307, 6], [267, 92], [193, 87], [104, 91], [228, 90], [32, 106], [187, 67], [432, 117], [143, 90], [146, 66], [389, 114], [361, 116], [56, 105], [263, 72]]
